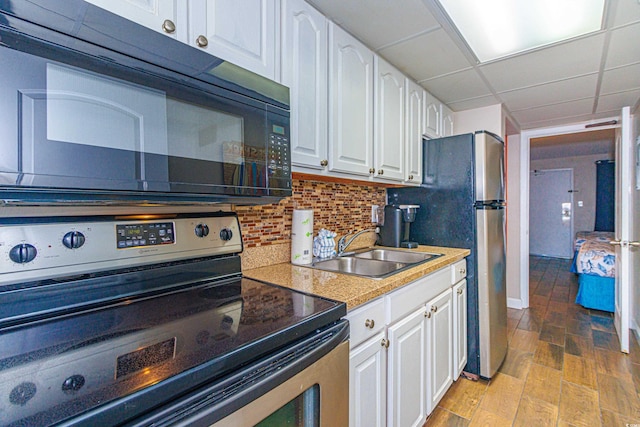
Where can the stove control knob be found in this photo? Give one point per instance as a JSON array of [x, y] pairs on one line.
[[72, 384], [23, 253], [202, 230], [22, 393], [226, 234], [73, 239]]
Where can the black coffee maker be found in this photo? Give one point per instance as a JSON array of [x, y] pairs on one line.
[[391, 227], [408, 216]]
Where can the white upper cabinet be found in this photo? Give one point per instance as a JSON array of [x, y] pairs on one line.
[[351, 104], [166, 16], [389, 137], [241, 32], [414, 113], [304, 70], [447, 120], [432, 116]]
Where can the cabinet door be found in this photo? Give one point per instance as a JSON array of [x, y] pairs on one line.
[[440, 348], [389, 138], [432, 117], [367, 383], [447, 120], [241, 32], [407, 371], [459, 294], [304, 70], [350, 104], [153, 14], [414, 121]]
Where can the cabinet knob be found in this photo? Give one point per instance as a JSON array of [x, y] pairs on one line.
[[369, 323], [202, 41], [380, 171], [434, 308], [384, 343], [168, 26], [460, 291], [427, 314], [462, 271], [372, 170], [410, 177], [324, 162]]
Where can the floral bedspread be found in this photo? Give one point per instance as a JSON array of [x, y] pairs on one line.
[[600, 236], [597, 258]]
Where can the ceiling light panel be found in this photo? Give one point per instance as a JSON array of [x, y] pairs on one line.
[[497, 28]]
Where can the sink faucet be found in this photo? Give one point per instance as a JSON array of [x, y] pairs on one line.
[[343, 243]]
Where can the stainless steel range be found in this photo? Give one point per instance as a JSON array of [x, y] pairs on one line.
[[147, 320]]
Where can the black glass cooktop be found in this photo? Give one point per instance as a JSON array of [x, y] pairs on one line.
[[53, 369]]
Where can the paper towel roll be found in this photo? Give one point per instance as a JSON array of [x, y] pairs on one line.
[[302, 236]]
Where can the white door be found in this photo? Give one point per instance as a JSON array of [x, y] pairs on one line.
[[414, 120], [550, 213], [627, 260]]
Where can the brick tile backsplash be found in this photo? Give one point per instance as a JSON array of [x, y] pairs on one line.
[[339, 207]]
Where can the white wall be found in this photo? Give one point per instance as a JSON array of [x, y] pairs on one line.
[[489, 118], [584, 185], [514, 228]]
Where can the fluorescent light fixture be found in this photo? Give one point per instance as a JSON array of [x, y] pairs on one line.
[[497, 28]]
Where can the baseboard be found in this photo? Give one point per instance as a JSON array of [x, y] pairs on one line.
[[514, 303]]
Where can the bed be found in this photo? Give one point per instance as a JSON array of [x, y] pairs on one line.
[[595, 262]]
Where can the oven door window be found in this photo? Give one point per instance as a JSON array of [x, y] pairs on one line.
[[72, 122], [303, 411]]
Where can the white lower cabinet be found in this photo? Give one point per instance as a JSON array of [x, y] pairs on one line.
[[407, 371], [459, 293], [439, 340], [402, 351]]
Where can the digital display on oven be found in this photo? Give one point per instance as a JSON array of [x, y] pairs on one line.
[[145, 357], [148, 234]]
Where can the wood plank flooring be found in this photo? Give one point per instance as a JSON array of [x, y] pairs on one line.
[[563, 366]]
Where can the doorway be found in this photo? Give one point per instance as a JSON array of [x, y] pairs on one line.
[[550, 213]]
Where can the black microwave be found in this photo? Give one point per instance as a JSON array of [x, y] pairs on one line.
[[97, 109]]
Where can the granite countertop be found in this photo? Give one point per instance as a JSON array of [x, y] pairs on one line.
[[353, 290]]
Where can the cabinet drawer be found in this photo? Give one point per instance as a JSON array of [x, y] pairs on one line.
[[366, 321], [408, 298], [458, 271]]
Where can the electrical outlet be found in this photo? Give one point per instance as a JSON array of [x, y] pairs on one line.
[[374, 214]]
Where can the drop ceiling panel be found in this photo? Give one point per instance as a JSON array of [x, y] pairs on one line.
[[427, 56], [379, 22], [551, 93], [556, 111], [615, 102], [624, 48], [575, 58], [627, 11], [566, 120], [457, 86], [469, 104], [620, 79]]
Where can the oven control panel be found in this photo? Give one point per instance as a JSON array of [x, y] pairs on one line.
[[58, 248]]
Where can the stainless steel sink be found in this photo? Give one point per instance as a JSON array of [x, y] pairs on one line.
[[374, 263], [396, 256]]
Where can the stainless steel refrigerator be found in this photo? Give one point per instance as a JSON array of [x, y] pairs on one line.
[[462, 204]]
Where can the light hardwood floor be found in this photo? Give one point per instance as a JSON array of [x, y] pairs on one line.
[[563, 366]]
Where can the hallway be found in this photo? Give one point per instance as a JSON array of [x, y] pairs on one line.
[[562, 368]]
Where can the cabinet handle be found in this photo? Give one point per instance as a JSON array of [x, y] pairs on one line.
[[434, 308], [410, 177], [427, 314], [168, 26], [462, 271], [372, 170], [202, 41], [324, 163], [380, 171], [384, 343], [369, 323], [460, 291]]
